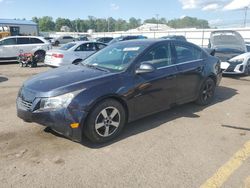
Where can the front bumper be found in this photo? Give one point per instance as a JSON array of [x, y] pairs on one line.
[[59, 120], [228, 68]]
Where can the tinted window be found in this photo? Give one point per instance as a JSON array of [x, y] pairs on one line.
[[186, 53], [23, 41], [67, 46], [11, 41], [86, 47], [67, 37], [100, 46], [159, 56], [35, 41]]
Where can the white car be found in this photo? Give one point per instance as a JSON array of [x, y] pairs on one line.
[[12, 47], [62, 40], [237, 65], [72, 53]]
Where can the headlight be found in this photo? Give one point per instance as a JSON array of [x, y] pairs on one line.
[[236, 61], [58, 102]]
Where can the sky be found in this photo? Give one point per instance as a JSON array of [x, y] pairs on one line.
[[217, 12]]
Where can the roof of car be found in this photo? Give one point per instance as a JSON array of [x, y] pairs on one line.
[[83, 42]]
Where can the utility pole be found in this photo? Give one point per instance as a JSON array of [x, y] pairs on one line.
[[157, 18], [108, 24], [245, 19]]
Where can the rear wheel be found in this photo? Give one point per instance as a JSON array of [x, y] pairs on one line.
[[57, 43], [105, 121], [40, 55], [206, 94]]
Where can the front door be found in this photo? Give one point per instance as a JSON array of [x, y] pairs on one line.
[[156, 91]]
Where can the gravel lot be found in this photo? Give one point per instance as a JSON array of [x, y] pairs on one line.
[[181, 147]]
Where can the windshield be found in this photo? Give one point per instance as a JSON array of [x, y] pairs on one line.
[[67, 46], [116, 57]]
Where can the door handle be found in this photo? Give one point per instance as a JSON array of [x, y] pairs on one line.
[[171, 77]]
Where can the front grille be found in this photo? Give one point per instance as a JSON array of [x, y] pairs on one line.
[[25, 104], [231, 68]]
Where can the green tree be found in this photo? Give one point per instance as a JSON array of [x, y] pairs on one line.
[[46, 23]]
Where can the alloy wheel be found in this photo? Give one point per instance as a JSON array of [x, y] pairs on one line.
[[107, 121], [208, 91]]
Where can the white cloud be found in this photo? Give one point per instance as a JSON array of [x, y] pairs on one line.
[[215, 22], [208, 5], [237, 4], [212, 6], [1, 1], [113, 6]]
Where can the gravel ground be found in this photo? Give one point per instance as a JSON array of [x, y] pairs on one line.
[[181, 147]]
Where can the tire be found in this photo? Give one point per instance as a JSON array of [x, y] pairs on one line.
[[77, 61], [40, 55], [206, 93], [57, 43], [247, 70], [105, 121]]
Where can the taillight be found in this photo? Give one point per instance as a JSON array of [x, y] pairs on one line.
[[57, 55]]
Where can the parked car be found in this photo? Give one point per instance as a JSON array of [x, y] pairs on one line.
[[175, 37], [238, 65], [49, 39], [119, 84], [105, 40], [72, 53], [227, 44], [12, 47], [62, 40], [129, 37], [248, 46]]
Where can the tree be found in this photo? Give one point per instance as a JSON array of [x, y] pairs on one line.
[[188, 22], [63, 22], [134, 23], [46, 24]]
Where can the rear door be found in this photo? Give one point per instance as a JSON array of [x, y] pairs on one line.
[[85, 50], [190, 64], [23, 45]]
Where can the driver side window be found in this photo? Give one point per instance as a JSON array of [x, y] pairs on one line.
[[159, 57]]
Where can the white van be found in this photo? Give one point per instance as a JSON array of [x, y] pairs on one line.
[[11, 47]]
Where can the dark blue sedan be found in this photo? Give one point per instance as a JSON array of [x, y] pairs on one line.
[[119, 84]]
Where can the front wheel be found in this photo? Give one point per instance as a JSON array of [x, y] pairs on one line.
[[206, 93], [105, 121]]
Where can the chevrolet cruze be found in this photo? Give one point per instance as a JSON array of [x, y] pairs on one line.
[[118, 84]]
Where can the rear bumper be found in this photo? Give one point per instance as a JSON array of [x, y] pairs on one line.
[[57, 120]]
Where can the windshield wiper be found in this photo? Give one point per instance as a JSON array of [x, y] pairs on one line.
[[95, 67]]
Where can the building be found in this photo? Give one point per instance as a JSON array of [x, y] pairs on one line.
[[151, 27], [19, 27]]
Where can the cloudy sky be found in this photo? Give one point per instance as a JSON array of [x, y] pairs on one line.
[[218, 12]]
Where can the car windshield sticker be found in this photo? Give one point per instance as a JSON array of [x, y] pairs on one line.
[[131, 49]]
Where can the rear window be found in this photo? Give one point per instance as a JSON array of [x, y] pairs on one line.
[[35, 41], [67, 46]]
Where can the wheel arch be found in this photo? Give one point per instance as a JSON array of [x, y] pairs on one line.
[[99, 100]]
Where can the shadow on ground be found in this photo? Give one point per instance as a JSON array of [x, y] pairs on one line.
[[188, 110], [3, 79]]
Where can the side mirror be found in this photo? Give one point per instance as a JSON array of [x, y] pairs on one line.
[[145, 68]]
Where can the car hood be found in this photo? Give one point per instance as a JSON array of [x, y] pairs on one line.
[[242, 56], [62, 80]]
